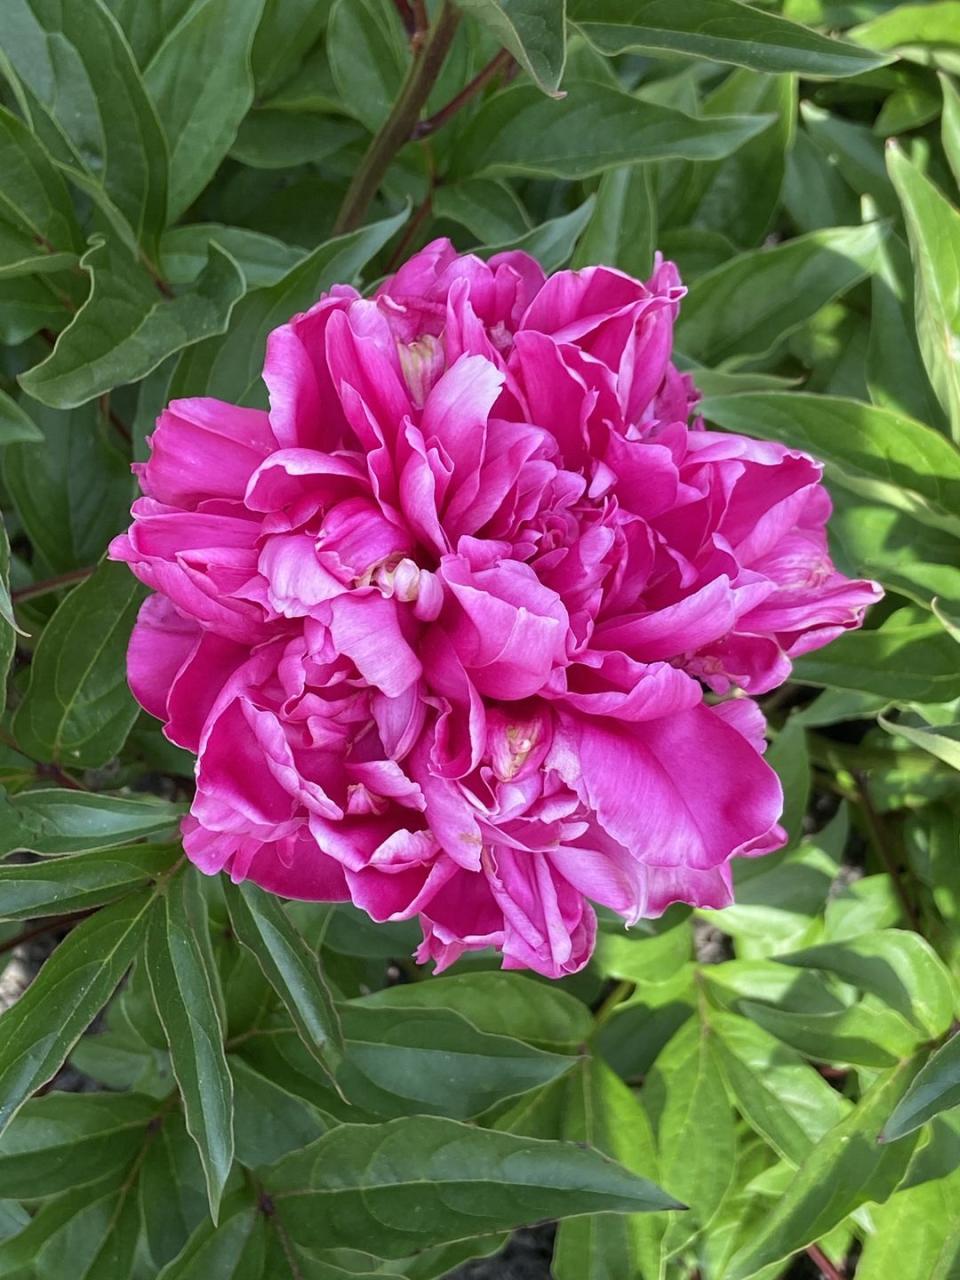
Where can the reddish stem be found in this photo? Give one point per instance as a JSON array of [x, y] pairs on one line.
[[820, 1259], [46, 585], [499, 62]]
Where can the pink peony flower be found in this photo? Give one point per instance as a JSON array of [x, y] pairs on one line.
[[439, 625]]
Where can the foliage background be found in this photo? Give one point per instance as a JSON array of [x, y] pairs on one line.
[[172, 175]]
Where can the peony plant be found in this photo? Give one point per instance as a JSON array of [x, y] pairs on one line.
[[443, 625]]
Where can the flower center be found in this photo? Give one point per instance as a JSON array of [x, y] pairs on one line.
[[422, 364]]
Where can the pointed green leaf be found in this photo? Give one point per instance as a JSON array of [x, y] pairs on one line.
[[369, 54], [201, 82], [292, 969], [600, 1110], [933, 227], [909, 658], [230, 366], [745, 307], [920, 32], [77, 883], [781, 1097], [950, 125], [593, 128], [897, 966], [34, 201], [622, 231], [185, 990], [417, 1182], [82, 88], [871, 451], [719, 30], [78, 709], [68, 1140], [508, 1004], [434, 1062], [532, 30], [694, 1125], [935, 1089], [942, 741], [81, 975], [846, 1169], [128, 325], [58, 821]]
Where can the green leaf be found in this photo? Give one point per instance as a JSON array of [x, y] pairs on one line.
[[895, 372], [519, 131], [81, 975], [171, 1192], [694, 1124], [873, 452], [261, 924], [78, 709], [64, 1234], [935, 1089], [16, 427], [622, 231], [272, 139], [55, 821], [933, 228], [69, 1140], [907, 659], [77, 883], [145, 26], [739, 197], [230, 366], [747, 306], [920, 32], [8, 623], [788, 756], [186, 994], [719, 30], [369, 53], [231, 1251], [845, 1170], [73, 492], [262, 259], [601, 1111], [532, 30], [942, 741], [489, 209], [552, 242], [417, 1182], [498, 1003], [434, 1062], [896, 965], [34, 201], [287, 31], [867, 1034], [269, 1122], [916, 1234], [74, 71], [201, 82], [950, 125], [128, 325], [782, 1097]]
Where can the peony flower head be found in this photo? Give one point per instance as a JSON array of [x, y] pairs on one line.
[[462, 627]]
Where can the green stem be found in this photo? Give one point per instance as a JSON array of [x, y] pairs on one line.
[[616, 997], [878, 838], [399, 125]]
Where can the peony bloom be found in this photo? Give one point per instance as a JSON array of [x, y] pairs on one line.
[[441, 625]]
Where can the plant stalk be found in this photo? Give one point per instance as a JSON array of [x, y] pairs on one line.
[[399, 125]]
